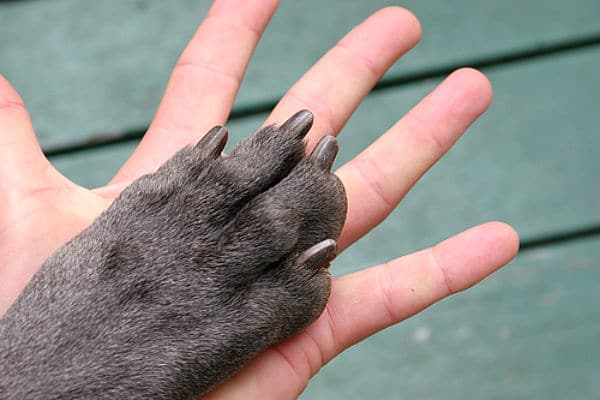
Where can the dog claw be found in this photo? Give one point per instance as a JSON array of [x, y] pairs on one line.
[[213, 143], [298, 124], [320, 255], [325, 152]]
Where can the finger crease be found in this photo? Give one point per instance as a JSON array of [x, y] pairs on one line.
[[362, 60], [384, 283], [210, 69], [314, 367], [331, 329], [290, 364], [442, 270], [367, 170], [419, 125], [8, 105]]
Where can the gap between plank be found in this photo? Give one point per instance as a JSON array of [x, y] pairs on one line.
[[60, 147]]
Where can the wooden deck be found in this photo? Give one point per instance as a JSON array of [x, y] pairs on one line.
[[532, 331]]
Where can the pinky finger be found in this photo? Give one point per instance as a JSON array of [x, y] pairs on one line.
[[368, 301]]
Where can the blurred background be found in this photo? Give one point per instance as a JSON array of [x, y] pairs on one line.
[[92, 73]]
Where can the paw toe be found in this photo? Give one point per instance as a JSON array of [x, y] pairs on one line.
[[266, 157]]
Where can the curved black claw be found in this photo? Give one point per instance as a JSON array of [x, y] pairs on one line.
[[319, 256], [213, 143], [298, 124], [325, 152]]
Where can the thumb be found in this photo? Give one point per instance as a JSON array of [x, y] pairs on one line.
[[21, 158]]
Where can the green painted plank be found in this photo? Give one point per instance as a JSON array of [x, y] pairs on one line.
[[530, 331], [530, 161], [86, 67]]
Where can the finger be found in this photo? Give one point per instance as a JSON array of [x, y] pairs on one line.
[[23, 161], [378, 178], [203, 84], [368, 301], [338, 82]]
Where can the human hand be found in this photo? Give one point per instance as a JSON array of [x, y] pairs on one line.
[[41, 209]]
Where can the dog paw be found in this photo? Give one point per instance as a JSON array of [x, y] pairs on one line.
[[191, 272]]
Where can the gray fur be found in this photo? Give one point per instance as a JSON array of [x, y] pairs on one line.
[[190, 273]]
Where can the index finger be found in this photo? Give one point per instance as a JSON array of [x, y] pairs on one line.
[[203, 84]]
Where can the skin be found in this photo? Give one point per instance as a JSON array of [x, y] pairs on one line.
[[40, 209]]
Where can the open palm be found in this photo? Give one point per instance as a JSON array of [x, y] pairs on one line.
[[40, 209]]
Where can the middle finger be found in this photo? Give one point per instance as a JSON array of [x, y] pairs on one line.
[[339, 81]]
